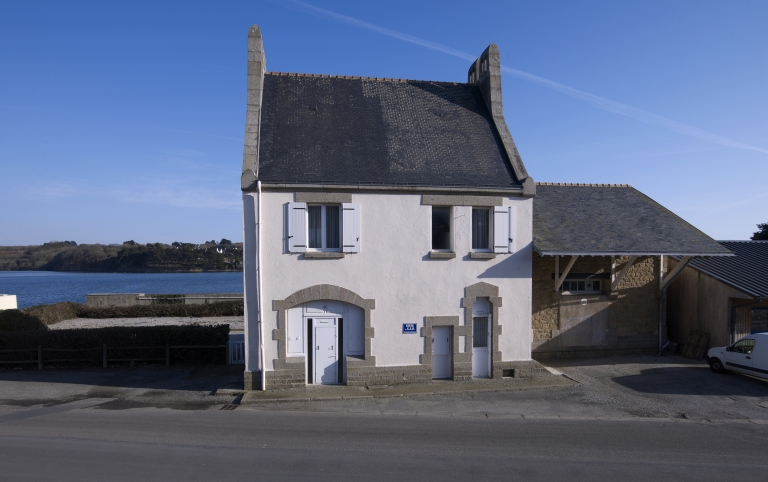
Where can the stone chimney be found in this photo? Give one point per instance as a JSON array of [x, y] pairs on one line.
[[485, 72], [257, 66]]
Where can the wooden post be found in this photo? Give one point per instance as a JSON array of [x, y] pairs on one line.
[[167, 355], [104, 355], [40, 357]]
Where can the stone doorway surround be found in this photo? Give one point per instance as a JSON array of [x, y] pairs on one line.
[[290, 372], [472, 293]]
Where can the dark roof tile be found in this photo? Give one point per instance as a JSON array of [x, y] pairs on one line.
[[342, 130], [603, 219]]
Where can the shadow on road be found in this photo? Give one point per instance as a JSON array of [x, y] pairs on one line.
[[189, 378], [693, 381]]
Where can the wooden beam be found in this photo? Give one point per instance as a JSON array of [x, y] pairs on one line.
[[617, 280], [559, 281], [674, 273]]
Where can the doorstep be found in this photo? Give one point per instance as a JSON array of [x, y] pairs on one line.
[[437, 387]]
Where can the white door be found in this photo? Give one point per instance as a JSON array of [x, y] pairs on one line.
[[441, 352], [739, 357], [481, 347], [325, 357]]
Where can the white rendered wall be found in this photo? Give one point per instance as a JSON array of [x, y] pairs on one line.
[[393, 267], [8, 302]]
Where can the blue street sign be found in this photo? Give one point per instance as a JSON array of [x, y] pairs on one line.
[[409, 328]]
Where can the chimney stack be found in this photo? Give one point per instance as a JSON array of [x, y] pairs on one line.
[[257, 66], [485, 72]]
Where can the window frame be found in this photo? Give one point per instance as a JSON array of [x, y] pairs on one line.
[[490, 230], [449, 249], [581, 292], [324, 228]]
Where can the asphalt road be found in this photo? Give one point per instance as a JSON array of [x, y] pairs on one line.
[[82, 440]]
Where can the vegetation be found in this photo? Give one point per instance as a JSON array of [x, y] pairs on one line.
[[761, 235], [16, 320], [153, 340], [128, 257], [50, 314]]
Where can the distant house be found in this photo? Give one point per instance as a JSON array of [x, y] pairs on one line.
[[725, 297], [387, 230], [598, 286]]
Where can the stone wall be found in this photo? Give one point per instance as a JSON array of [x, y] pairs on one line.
[[629, 322]]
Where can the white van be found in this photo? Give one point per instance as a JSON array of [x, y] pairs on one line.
[[748, 355]]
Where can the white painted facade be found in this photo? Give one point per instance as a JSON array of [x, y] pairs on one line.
[[394, 268]]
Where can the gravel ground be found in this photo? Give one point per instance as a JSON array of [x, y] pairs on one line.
[[235, 322]]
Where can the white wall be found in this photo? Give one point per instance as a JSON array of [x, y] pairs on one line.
[[8, 302], [393, 267]]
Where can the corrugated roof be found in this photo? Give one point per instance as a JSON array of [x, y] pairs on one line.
[[353, 130], [747, 271], [611, 219]]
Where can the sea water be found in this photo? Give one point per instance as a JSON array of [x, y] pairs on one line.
[[44, 287]]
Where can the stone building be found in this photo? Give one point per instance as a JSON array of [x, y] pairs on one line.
[[393, 235], [598, 283], [387, 230]]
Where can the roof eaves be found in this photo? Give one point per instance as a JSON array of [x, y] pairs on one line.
[[724, 281], [543, 252]]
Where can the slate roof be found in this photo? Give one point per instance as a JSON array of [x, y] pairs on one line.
[[367, 131], [611, 219], [747, 271]]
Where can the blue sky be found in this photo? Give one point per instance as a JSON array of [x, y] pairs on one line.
[[125, 120]]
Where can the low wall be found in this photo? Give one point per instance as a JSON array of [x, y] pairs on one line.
[[8, 302], [100, 300]]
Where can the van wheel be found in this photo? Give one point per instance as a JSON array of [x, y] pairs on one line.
[[716, 365]]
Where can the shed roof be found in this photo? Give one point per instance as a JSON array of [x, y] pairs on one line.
[[611, 220], [339, 130], [747, 271]]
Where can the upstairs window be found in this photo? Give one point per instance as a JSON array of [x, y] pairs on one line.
[[441, 228], [481, 229], [324, 227]]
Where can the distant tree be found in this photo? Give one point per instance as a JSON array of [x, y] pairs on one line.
[[176, 244], [71, 243], [225, 241], [761, 235], [130, 243]]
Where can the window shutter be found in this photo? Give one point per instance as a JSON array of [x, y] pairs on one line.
[[297, 227], [502, 232], [351, 228]]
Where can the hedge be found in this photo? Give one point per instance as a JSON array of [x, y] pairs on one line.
[[153, 338], [16, 320], [56, 312]]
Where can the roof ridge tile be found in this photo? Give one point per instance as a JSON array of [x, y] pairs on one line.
[[357, 77], [580, 184]]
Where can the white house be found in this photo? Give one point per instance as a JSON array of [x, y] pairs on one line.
[[387, 229]]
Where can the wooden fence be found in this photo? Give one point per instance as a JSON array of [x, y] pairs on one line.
[[104, 354]]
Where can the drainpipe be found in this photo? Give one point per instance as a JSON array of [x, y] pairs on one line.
[[661, 305], [258, 292]]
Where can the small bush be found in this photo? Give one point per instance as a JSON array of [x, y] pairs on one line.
[[50, 314], [16, 320]]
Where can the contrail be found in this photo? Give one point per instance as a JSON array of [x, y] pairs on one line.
[[596, 101]]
